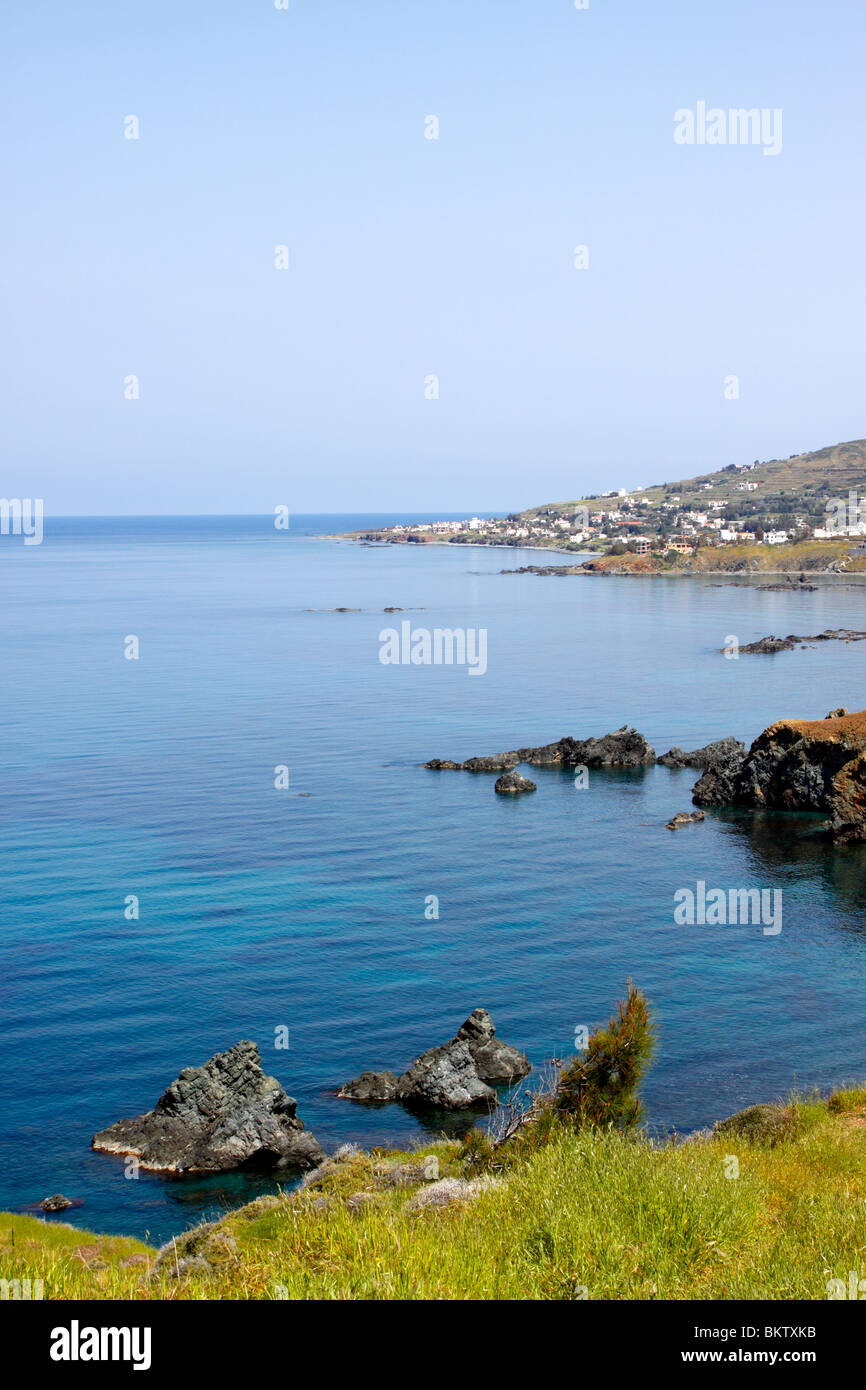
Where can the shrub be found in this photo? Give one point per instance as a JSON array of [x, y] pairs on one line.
[[761, 1124], [599, 1089]]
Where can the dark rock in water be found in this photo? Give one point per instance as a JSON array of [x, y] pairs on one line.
[[684, 818], [800, 765], [371, 1086], [711, 753], [716, 786], [497, 762], [768, 645], [762, 1124], [56, 1203], [392, 610], [547, 569], [623, 748], [495, 1061], [223, 1115], [458, 1075], [787, 644], [513, 783], [445, 1078], [800, 588]]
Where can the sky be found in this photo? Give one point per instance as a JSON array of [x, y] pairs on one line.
[[156, 360]]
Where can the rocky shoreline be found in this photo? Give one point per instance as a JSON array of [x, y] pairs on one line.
[[228, 1115], [795, 765]]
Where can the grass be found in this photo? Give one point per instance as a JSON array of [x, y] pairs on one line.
[[809, 557], [594, 1214]]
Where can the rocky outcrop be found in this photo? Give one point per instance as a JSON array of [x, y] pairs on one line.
[[225, 1114], [458, 1075], [683, 818], [497, 762], [56, 1203], [768, 645], [546, 569], [711, 753], [445, 1078], [513, 783], [624, 747], [716, 786], [787, 644], [495, 1061], [371, 1086], [800, 765]]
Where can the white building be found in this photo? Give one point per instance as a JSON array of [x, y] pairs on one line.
[[775, 537]]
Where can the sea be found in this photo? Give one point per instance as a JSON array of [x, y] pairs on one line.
[[224, 829]]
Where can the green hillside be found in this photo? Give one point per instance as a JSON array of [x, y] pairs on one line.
[[796, 487], [774, 1211]]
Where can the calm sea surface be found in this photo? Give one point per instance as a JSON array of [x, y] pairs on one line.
[[263, 908]]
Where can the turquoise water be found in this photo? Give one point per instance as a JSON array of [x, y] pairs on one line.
[[262, 908]]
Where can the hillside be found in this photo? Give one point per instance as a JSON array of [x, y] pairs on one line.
[[774, 1207], [799, 486], [781, 503], [811, 559]]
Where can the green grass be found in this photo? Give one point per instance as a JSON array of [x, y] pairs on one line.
[[593, 1214]]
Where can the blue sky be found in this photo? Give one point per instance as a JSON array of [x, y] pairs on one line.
[[411, 257]]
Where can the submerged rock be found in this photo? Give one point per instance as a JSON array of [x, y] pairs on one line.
[[684, 818], [225, 1114], [768, 645], [800, 765], [513, 783], [458, 1075], [792, 640]]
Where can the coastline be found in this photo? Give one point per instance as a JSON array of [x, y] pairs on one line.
[[582, 564]]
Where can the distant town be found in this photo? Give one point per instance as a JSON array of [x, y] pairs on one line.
[[722, 510]]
